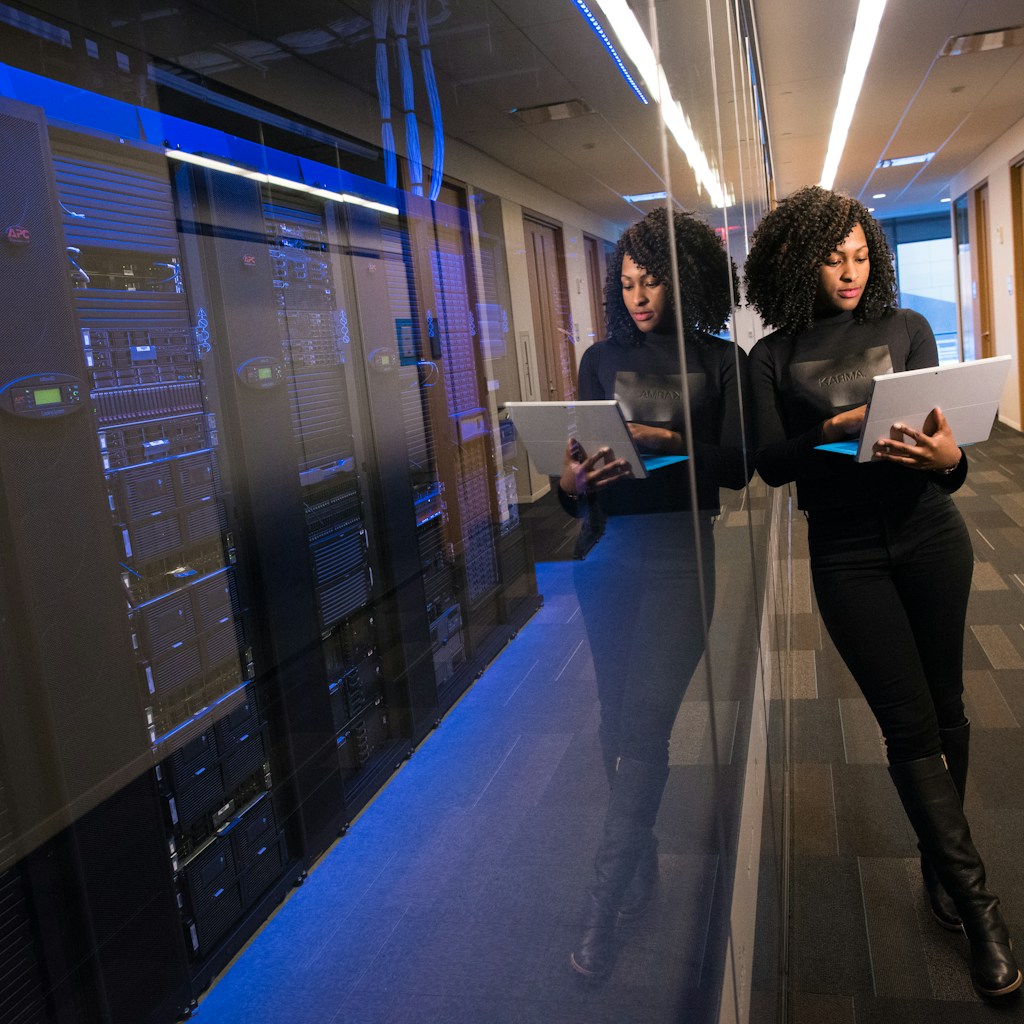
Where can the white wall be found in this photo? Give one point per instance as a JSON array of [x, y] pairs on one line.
[[993, 166]]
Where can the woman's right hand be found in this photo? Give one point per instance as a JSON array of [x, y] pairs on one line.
[[844, 424], [583, 474]]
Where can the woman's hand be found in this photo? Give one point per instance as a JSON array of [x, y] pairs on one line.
[[932, 448], [656, 439], [844, 424], [583, 474]]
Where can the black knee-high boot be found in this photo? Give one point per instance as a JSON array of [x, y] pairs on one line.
[[932, 803], [956, 750], [640, 891], [632, 808]]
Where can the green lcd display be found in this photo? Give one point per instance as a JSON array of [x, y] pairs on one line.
[[46, 396], [264, 373]]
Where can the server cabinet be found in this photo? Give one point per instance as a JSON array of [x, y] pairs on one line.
[[322, 515], [487, 589], [358, 511], [252, 548], [77, 762], [158, 434], [229, 274]]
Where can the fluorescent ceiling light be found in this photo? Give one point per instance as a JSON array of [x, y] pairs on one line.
[[609, 46], [946, 200], [214, 165], [639, 51], [869, 16], [646, 197], [552, 111], [879, 195], [272, 179], [903, 161], [994, 39]]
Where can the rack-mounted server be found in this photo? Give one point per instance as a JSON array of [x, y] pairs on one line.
[[249, 497]]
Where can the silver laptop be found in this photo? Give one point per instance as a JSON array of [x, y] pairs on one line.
[[967, 393], [545, 427]]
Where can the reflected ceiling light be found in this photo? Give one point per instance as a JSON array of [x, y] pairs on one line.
[[869, 16], [624, 24], [946, 200], [609, 46], [994, 39], [879, 195], [272, 179], [551, 111], [903, 161], [646, 197]]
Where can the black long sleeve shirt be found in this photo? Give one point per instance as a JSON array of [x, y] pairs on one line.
[[799, 381], [647, 382]]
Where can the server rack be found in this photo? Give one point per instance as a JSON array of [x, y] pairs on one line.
[[84, 833], [288, 582], [486, 587], [158, 439]]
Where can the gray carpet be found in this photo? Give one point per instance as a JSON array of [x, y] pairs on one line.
[[864, 948]]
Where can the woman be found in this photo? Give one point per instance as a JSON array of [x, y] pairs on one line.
[[656, 556], [885, 537]]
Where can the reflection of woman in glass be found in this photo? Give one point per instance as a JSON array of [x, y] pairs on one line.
[[640, 586], [890, 555]]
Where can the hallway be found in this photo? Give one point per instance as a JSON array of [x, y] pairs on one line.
[[455, 896], [865, 949]]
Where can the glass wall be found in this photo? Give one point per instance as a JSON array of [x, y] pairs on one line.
[[292, 615]]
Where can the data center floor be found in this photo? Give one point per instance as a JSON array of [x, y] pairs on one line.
[[457, 894]]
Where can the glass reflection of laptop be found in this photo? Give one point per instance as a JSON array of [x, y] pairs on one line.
[[967, 393], [546, 427]]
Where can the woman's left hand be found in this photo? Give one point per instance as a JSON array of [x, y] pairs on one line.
[[656, 439], [931, 448]]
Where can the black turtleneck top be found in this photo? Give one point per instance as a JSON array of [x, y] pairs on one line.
[[647, 382], [799, 381]]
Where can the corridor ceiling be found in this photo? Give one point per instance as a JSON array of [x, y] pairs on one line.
[[491, 57]]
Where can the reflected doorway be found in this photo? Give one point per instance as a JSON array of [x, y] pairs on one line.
[[552, 324], [982, 274], [1017, 200]]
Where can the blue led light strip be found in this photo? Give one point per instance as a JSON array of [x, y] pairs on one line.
[[603, 36]]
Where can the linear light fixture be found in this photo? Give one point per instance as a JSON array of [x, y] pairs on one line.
[[865, 31], [646, 197], [903, 161], [610, 47], [994, 39], [551, 111], [637, 47], [272, 179]]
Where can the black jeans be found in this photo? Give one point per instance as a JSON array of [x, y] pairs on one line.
[[892, 585], [640, 595]]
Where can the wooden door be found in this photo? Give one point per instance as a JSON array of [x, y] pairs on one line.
[[981, 273], [595, 280], [1017, 201], [552, 325]]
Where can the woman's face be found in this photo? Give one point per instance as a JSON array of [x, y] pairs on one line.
[[843, 276], [645, 296]]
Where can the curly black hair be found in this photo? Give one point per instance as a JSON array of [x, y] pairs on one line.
[[793, 241], [705, 273]]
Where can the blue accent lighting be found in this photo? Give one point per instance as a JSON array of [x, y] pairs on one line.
[[609, 46]]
